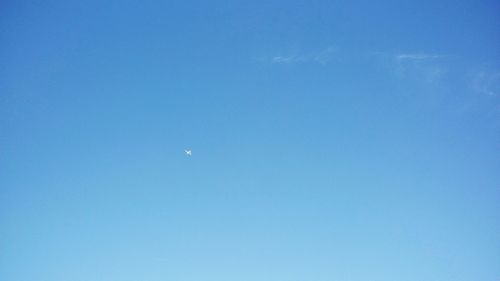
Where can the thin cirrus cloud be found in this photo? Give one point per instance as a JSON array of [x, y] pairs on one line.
[[417, 56], [321, 57], [485, 82], [287, 59], [423, 66], [433, 67]]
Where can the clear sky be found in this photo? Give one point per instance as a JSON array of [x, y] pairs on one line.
[[332, 140]]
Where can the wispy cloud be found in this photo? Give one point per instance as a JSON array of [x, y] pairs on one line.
[[485, 82], [322, 57], [287, 59], [417, 56], [423, 66]]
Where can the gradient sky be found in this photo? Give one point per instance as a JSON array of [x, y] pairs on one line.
[[332, 140]]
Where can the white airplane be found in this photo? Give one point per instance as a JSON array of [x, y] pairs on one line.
[[188, 152]]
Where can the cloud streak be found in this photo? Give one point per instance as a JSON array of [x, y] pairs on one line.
[[287, 59], [486, 83], [321, 57], [417, 56], [423, 66]]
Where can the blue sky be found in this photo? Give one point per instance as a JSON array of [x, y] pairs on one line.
[[332, 140]]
